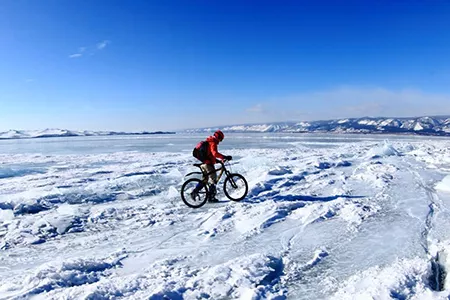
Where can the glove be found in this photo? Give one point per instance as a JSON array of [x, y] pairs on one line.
[[228, 157]]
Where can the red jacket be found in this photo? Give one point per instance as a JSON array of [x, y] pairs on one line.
[[212, 151]]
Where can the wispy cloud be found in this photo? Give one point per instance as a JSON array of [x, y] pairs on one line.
[[350, 102], [357, 102], [29, 80], [102, 45], [258, 108], [91, 49], [76, 55]]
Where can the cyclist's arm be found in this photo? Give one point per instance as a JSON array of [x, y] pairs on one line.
[[216, 153]]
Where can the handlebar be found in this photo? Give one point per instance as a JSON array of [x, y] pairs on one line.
[[221, 162]]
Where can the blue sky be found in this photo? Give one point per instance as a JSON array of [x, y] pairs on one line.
[[167, 65]]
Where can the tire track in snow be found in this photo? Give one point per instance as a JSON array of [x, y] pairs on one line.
[[438, 273], [433, 207]]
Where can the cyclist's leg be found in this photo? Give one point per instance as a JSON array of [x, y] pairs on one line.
[[197, 189], [211, 173], [199, 186], [212, 176]]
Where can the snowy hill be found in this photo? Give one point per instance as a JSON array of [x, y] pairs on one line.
[[418, 125], [21, 134]]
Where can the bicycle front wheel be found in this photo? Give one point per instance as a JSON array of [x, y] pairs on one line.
[[235, 187], [190, 197]]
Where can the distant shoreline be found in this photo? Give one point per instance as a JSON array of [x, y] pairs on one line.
[[70, 134]]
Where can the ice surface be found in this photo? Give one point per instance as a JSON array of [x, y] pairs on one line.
[[444, 185], [326, 217]]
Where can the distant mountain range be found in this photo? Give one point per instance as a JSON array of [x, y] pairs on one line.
[[436, 125], [47, 133]]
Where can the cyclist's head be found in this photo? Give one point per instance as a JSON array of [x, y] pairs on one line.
[[219, 135]]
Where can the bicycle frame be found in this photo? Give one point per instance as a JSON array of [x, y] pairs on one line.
[[222, 170]]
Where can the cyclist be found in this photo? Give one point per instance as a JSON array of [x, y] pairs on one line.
[[208, 165]]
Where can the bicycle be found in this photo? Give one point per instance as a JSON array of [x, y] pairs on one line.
[[235, 186]]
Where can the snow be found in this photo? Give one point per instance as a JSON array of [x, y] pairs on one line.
[[379, 151], [6, 215], [62, 274], [386, 122], [418, 127], [444, 185], [368, 122], [326, 217], [251, 128], [401, 280], [11, 134]]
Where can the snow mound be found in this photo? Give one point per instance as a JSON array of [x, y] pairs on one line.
[[324, 165], [280, 171], [29, 230], [319, 255], [399, 280], [343, 163], [386, 150], [444, 185], [251, 277], [6, 215], [61, 275], [17, 172], [295, 270]]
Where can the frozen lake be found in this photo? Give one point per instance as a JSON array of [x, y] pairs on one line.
[[327, 217], [179, 142]]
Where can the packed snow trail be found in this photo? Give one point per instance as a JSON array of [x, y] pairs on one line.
[[324, 219]]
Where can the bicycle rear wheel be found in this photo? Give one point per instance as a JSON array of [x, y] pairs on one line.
[[191, 199], [235, 187]]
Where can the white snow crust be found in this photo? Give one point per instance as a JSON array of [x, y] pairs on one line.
[[354, 217], [444, 185]]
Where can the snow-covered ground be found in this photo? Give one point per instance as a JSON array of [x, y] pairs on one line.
[[327, 217]]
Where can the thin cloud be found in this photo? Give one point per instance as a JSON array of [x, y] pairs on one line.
[[91, 50], [351, 102], [357, 102], [76, 55], [102, 45], [258, 108]]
